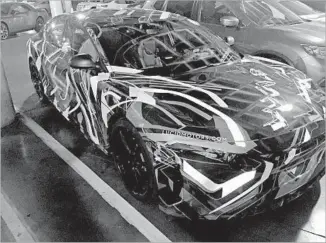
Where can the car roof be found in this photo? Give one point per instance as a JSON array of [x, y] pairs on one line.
[[112, 16], [7, 4]]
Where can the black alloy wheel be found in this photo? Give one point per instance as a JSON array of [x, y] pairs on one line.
[[37, 82], [4, 31], [133, 161], [39, 24]]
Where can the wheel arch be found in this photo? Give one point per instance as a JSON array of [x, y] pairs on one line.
[[273, 54], [5, 23]]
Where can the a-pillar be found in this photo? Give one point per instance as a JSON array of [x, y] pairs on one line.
[[7, 108]]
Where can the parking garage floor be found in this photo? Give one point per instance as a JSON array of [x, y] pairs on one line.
[[55, 202]]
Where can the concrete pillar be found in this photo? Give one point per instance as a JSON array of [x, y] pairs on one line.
[[67, 6], [56, 7], [7, 108]]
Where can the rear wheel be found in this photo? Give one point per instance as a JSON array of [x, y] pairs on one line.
[[133, 161], [39, 24], [4, 31], [37, 82]]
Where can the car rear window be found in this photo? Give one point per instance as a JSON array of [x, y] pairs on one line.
[[5, 8]]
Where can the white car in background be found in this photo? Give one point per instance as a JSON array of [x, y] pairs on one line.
[[303, 10], [39, 4], [115, 4]]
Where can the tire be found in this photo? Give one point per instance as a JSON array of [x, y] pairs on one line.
[[133, 161], [4, 31], [37, 82], [39, 24]]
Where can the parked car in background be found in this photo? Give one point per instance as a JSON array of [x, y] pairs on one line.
[[110, 4], [40, 4], [304, 11], [261, 28], [211, 135], [316, 4], [18, 17]]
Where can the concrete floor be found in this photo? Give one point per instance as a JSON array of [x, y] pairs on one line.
[[58, 205]]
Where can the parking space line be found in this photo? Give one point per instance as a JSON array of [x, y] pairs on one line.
[[129, 213], [15, 225]]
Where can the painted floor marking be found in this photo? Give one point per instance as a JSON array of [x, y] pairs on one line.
[[15, 225], [129, 213]]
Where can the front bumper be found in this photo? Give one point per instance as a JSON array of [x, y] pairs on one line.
[[261, 203], [274, 188]]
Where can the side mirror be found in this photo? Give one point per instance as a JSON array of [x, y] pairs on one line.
[[82, 61], [229, 40], [229, 21]]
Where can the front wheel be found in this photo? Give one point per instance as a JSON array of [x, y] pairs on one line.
[[4, 31], [133, 160]]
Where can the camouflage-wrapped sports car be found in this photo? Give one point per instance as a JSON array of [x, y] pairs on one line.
[[190, 122]]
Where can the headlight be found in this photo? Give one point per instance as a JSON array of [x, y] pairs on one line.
[[317, 51], [212, 154]]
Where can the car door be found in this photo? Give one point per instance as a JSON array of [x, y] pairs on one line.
[[21, 17], [88, 114], [209, 14], [17, 18], [57, 53]]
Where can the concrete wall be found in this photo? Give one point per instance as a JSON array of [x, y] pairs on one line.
[[60, 7], [7, 108]]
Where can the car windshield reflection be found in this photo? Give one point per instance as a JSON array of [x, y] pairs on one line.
[[173, 44]]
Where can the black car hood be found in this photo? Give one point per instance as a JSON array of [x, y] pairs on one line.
[[253, 87], [266, 99], [243, 103]]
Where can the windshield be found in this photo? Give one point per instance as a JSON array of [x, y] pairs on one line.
[[264, 13], [298, 7], [176, 45]]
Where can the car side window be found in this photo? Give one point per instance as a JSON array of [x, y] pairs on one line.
[[212, 11], [84, 39], [19, 9], [158, 5], [55, 31], [183, 8]]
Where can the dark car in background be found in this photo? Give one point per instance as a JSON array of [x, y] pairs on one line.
[[190, 122], [261, 28], [319, 5], [18, 17], [304, 11]]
